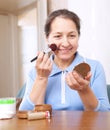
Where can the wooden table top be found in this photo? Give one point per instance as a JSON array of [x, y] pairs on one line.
[[61, 120]]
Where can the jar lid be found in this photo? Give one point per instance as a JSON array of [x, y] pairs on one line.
[[43, 107], [7, 100]]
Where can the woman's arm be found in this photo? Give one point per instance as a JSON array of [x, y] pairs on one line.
[[93, 94], [76, 82], [35, 91], [43, 68]]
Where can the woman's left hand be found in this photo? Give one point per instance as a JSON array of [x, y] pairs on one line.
[[76, 82]]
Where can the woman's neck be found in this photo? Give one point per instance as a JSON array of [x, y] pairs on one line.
[[63, 64]]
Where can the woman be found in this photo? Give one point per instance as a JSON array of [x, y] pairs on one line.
[[53, 80]]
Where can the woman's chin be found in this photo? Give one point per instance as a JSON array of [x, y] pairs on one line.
[[65, 58]]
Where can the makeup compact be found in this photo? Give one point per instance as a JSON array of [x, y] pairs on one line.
[[82, 69]]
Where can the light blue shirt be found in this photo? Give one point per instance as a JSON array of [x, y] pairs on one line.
[[61, 96]]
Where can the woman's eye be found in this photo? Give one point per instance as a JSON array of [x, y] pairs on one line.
[[57, 36], [72, 36]]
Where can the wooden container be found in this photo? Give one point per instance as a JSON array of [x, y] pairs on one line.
[[43, 108], [22, 114]]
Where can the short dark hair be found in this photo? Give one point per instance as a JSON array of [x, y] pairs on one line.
[[62, 13]]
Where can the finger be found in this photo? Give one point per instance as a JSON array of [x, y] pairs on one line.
[[45, 59], [88, 77], [48, 64], [71, 81], [81, 82], [78, 78], [40, 57]]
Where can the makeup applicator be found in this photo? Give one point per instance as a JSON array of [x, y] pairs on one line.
[[52, 47]]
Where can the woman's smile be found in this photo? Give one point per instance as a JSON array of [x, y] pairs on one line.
[[65, 51]]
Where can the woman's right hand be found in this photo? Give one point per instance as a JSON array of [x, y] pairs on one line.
[[43, 68], [43, 65]]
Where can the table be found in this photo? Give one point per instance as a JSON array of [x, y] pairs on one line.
[[62, 120]]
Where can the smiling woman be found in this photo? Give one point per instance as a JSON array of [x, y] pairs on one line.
[[54, 81]]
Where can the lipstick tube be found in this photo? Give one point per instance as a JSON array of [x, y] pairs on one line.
[[38, 115]]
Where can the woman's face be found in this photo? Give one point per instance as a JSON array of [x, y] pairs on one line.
[[65, 35]]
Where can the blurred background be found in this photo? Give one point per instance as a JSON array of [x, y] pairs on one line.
[[22, 35]]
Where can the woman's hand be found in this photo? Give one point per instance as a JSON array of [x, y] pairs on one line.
[[43, 68], [76, 82], [43, 65]]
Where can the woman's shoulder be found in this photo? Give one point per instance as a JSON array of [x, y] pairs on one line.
[[96, 65], [93, 62], [90, 61]]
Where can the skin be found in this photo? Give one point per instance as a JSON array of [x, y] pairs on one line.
[[65, 35]]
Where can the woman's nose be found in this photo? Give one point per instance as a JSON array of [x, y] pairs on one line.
[[65, 40]]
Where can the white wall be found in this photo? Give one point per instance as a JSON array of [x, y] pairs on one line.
[[28, 50], [95, 30], [27, 29]]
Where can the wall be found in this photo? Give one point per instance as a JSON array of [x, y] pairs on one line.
[[8, 53], [56, 4], [13, 59], [95, 30], [27, 28], [18, 45]]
